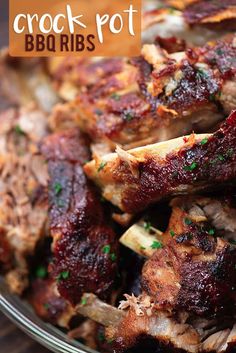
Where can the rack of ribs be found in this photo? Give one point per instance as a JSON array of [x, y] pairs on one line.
[[157, 96], [84, 247], [135, 179]]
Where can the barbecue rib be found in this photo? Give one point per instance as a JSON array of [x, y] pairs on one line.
[[177, 93], [191, 275], [165, 320], [199, 12], [84, 247], [135, 179]]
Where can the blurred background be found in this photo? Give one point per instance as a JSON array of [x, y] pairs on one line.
[[3, 23], [12, 340]]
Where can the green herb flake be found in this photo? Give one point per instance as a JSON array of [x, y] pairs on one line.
[[156, 245], [109, 341], [221, 158], [98, 112], [128, 116], [106, 249], [60, 203], [219, 51], [172, 233], [142, 248], [101, 166], [83, 301], [191, 167], [204, 141], [57, 188], [187, 221], [41, 272], [211, 232], [212, 97], [19, 130], [63, 275], [113, 257], [147, 226], [230, 152], [101, 337], [115, 96], [46, 306], [202, 73]]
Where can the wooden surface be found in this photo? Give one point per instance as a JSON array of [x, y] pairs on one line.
[[12, 340]]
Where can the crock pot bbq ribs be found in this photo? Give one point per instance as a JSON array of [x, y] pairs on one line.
[[188, 298], [84, 247], [155, 97], [134, 179], [165, 116]]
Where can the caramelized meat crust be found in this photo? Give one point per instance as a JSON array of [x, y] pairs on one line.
[[195, 270], [159, 95], [85, 248], [135, 179], [214, 11], [46, 302]]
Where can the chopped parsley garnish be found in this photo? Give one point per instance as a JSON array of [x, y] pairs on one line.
[[204, 141], [46, 306], [101, 337], [172, 233], [229, 153], [128, 116], [191, 167], [63, 275], [41, 272], [19, 130], [211, 232], [202, 73], [60, 203], [101, 166], [57, 188], [221, 158], [115, 96], [156, 245], [147, 226], [113, 257], [98, 112], [187, 221], [83, 301], [219, 51], [106, 249], [142, 248], [212, 97], [110, 340]]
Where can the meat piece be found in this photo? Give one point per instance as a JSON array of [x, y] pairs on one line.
[[84, 247], [195, 269], [72, 74], [177, 93], [25, 81], [190, 275], [23, 198], [208, 12], [153, 333], [135, 179], [47, 303]]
